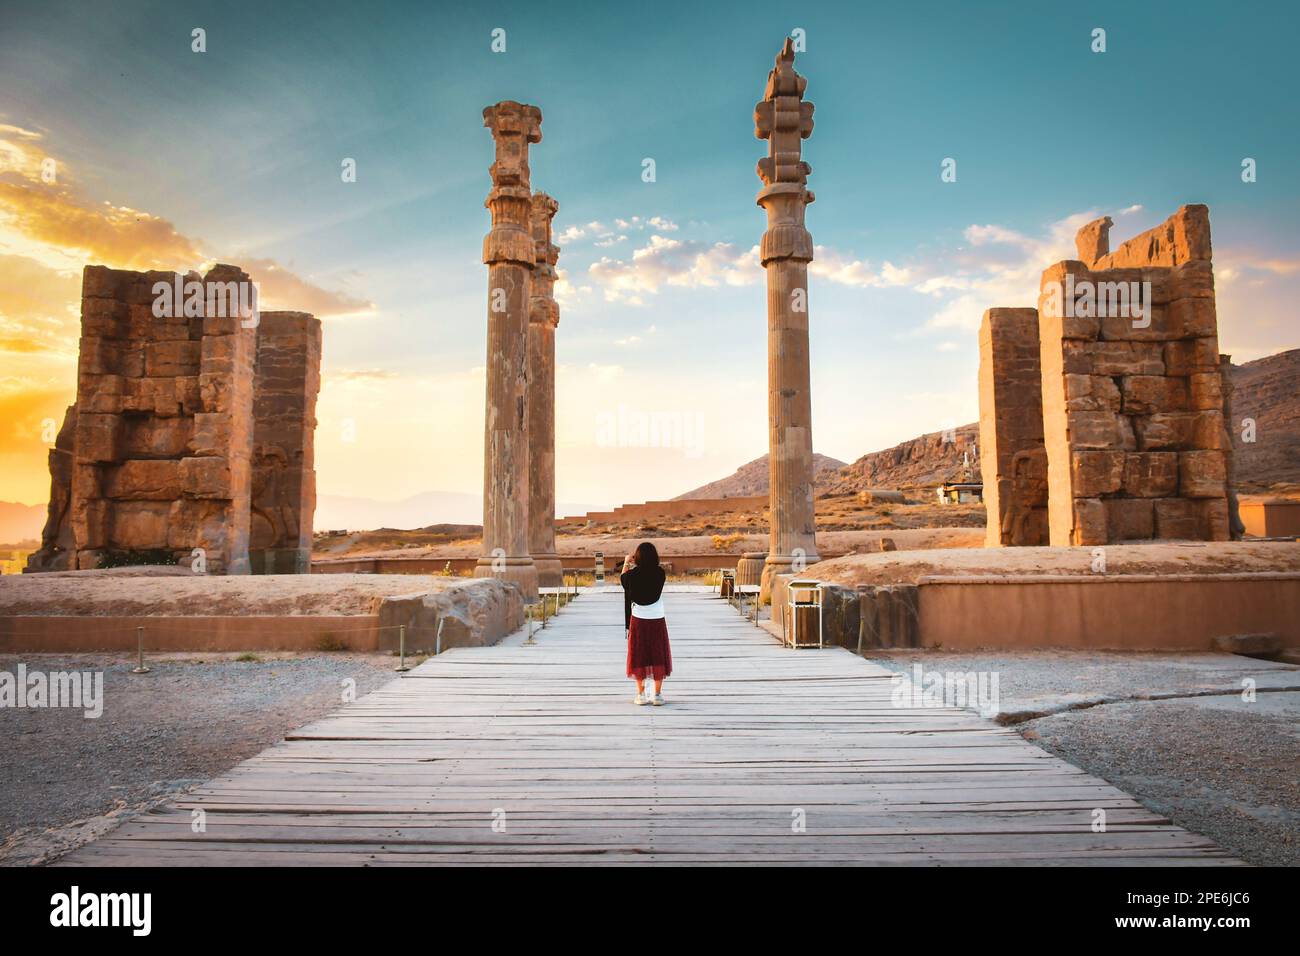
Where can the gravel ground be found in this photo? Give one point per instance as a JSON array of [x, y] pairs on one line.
[[66, 779], [1214, 764]]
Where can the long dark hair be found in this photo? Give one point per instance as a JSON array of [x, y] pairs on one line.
[[646, 556]]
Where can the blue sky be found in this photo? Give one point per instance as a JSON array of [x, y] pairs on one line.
[[238, 150]]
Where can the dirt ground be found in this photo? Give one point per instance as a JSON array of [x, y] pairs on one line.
[[1173, 730], [1172, 557], [66, 779], [186, 594]]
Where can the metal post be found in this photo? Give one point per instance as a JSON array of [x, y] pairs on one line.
[[437, 644], [543, 597], [401, 648], [529, 615], [139, 641]]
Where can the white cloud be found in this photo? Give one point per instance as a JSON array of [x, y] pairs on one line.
[[1001, 267], [675, 262], [857, 273]]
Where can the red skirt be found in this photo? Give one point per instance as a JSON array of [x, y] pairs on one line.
[[648, 653]]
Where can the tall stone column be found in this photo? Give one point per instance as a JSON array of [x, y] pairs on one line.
[[509, 255], [543, 317], [784, 119]]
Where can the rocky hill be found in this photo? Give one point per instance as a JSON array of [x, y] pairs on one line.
[[1267, 390], [917, 463], [751, 479]]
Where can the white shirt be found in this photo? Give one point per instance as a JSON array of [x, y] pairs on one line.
[[649, 612]]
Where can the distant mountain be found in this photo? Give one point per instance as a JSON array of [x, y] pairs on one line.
[[344, 513], [922, 462], [1267, 390], [751, 479], [20, 523]]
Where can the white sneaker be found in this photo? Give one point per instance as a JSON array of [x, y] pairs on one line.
[[659, 700], [640, 699]]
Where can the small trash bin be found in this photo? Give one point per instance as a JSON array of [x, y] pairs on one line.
[[727, 584], [803, 614]]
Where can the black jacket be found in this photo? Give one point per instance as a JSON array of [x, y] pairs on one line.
[[642, 586]]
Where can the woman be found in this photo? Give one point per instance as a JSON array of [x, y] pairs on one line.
[[648, 653]]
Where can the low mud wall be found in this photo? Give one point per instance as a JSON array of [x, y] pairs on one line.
[[1129, 612], [1146, 612], [477, 614], [352, 632]]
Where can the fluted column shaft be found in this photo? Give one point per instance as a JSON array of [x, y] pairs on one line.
[[509, 255], [544, 317]]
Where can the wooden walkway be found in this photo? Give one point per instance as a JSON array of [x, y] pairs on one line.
[[535, 755]]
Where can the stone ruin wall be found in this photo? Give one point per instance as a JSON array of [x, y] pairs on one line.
[[1134, 424], [157, 453], [283, 497], [1013, 458]]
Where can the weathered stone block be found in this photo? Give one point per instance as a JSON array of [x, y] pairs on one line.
[[172, 358], [1100, 430], [1192, 318], [1210, 431], [1127, 358], [103, 318], [1216, 519], [1206, 391], [1151, 474], [152, 437], [1090, 526], [1187, 356], [1202, 474], [88, 518], [99, 356], [1191, 280], [1091, 393], [218, 393], [1151, 394], [1130, 519], [207, 478], [98, 437], [153, 480], [103, 394], [101, 282], [1126, 325], [138, 525], [1096, 473], [212, 435], [1178, 519], [188, 394], [1165, 430]]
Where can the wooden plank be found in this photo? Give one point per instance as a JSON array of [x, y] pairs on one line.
[[763, 755]]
